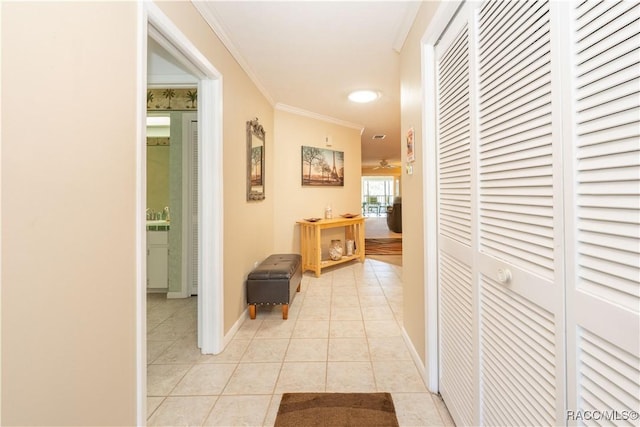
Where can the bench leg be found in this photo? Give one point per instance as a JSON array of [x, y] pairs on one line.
[[252, 311], [298, 289], [285, 311]]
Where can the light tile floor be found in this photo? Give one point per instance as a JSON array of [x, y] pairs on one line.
[[343, 335]]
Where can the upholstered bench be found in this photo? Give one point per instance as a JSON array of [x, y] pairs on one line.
[[275, 281]]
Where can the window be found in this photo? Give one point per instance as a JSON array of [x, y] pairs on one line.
[[377, 194]]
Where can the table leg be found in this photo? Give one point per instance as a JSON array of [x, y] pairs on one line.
[[318, 251]]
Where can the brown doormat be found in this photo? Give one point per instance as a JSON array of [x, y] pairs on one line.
[[386, 246], [336, 410]]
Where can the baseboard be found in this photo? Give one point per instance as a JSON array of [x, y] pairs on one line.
[[175, 295], [416, 359], [229, 335]]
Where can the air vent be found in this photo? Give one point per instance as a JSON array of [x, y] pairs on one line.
[[378, 137]]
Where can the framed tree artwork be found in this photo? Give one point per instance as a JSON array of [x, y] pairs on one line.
[[322, 167]]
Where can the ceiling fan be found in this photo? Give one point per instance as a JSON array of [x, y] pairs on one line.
[[385, 165]]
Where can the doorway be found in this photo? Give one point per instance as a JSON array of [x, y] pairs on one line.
[[158, 27]]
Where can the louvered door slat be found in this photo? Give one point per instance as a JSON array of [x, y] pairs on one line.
[[616, 60], [627, 88], [516, 131], [534, 100], [608, 148], [493, 21], [512, 44], [610, 376], [517, 214], [617, 228], [604, 20], [456, 343], [605, 363], [615, 119], [505, 90], [518, 360], [602, 110], [454, 139], [454, 228]]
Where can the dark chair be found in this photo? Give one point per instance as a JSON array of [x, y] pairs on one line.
[[394, 215]]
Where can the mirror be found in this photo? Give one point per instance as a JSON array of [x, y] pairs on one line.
[[255, 160]]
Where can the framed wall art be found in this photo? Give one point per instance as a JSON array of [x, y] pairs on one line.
[[322, 167], [255, 160], [411, 155]]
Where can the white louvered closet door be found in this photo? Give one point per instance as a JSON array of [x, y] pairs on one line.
[[603, 286], [193, 240], [500, 218], [455, 231], [521, 259]]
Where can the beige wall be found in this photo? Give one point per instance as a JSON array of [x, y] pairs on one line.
[[68, 213], [293, 201], [412, 185], [68, 201], [248, 234], [68, 205]]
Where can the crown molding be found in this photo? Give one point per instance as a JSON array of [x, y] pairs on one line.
[[405, 25], [300, 112], [220, 31]]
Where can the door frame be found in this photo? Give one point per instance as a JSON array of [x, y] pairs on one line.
[[440, 21], [210, 301]]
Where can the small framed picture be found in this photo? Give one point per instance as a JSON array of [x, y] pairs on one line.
[[411, 154]]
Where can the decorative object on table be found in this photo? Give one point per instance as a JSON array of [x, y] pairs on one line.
[[312, 219], [349, 215], [350, 244], [335, 250], [255, 160], [411, 156], [322, 167], [328, 213]]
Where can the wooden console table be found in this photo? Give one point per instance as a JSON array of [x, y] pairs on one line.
[[310, 242]]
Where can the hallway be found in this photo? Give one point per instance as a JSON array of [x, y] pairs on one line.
[[343, 335]]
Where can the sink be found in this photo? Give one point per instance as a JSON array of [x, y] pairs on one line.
[[158, 225], [157, 222]]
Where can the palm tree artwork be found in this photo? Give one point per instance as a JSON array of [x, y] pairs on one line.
[[192, 96], [168, 94]]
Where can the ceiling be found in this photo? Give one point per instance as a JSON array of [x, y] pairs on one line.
[[307, 56]]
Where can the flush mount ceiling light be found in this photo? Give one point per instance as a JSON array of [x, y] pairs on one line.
[[363, 96]]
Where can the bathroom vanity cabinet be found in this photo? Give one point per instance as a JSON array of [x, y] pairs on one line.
[[157, 259]]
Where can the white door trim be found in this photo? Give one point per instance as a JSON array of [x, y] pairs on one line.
[[444, 14], [210, 301]]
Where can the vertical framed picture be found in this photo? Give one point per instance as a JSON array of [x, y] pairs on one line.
[[411, 154], [322, 167]]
